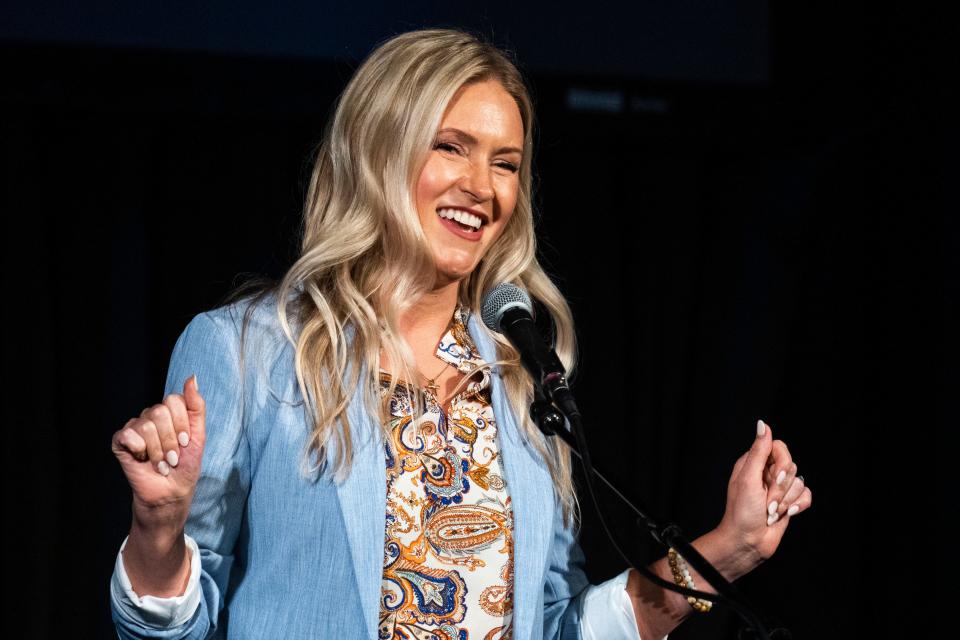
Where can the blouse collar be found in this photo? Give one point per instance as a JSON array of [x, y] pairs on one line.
[[457, 347]]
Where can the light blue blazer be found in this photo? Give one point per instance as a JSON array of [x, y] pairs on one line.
[[288, 556]]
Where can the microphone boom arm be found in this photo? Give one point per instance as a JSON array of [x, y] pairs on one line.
[[549, 419]]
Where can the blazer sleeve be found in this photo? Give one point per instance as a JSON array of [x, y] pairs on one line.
[[574, 609], [210, 348], [565, 585]]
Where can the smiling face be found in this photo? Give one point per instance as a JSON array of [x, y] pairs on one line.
[[467, 190]]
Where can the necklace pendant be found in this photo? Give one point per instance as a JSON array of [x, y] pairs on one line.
[[433, 388]]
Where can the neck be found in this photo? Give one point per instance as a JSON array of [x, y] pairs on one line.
[[432, 311], [430, 315]]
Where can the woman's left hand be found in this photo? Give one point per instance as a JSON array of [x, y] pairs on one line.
[[763, 494]]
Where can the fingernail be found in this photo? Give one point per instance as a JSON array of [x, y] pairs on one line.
[[792, 511], [184, 438], [772, 507], [761, 428], [173, 458], [196, 383], [163, 468], [781, 477], [772, 518]]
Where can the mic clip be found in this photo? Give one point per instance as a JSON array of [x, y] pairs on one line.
[[546, 416]]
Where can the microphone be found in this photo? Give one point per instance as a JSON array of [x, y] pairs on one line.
[[507, 309]]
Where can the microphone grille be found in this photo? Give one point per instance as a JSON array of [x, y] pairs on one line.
[[502, 297]]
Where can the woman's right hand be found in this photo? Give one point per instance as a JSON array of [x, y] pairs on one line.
[[160, 453]]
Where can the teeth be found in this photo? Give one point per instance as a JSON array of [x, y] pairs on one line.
[[460, 216]]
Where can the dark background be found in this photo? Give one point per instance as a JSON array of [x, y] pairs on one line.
[[746, 204]]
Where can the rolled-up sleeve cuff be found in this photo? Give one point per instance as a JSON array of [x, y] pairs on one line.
[[608, 612], [160, 613]]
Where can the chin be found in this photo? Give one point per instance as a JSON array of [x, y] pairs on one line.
[[456, 268], [450, 273]]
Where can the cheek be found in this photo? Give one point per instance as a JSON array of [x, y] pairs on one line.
[[508, 197], [433, 181]]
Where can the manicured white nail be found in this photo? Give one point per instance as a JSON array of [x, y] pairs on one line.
[[173, 458], [772, 518], [184, 438], [761, 428], [163, 468], [196, 383], [781, 477], [772, 507], [792, 511]]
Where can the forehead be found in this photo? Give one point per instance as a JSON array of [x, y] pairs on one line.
[[485, 109]]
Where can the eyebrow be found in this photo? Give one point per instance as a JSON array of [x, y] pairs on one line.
[[469, 139]]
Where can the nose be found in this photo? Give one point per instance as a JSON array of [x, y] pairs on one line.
[[476, 182]]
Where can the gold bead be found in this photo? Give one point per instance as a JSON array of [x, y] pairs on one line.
[[702, 606]]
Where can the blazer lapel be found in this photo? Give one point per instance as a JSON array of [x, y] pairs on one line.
[[363, 503], [531, 494]]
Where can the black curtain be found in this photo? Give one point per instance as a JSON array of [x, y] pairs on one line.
[[730, 252]]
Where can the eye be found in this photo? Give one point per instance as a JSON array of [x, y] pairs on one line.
[[509, 166], [449, 147]]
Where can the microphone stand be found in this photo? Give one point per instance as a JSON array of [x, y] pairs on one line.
[[550, 421]]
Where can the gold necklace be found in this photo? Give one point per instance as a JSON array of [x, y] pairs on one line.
[[432, 385]]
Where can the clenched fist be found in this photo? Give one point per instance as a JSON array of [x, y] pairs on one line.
[[160, 453]]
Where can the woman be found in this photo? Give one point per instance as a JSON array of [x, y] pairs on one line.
[[369, 469]]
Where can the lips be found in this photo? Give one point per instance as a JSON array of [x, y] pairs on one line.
[[462, 223], [464, 232], [466, 218]]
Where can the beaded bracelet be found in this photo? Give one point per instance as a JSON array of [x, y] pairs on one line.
[[681, 575]]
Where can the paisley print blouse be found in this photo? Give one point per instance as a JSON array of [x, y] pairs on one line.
[[448, 548]]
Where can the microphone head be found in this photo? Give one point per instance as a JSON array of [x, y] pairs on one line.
[[500, 299]]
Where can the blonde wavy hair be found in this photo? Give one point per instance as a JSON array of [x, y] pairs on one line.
[[364, 257]]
